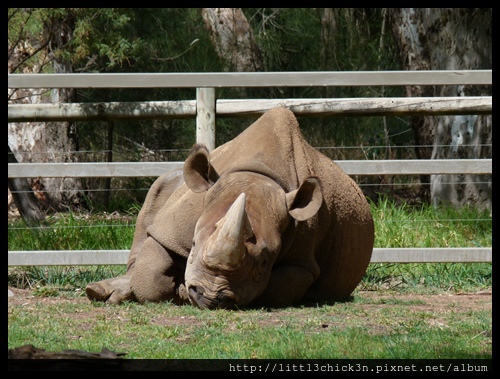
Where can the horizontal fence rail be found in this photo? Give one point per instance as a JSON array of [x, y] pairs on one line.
[[120, 257], [206, 107], [142, 169], [252, 79], [407, 106]]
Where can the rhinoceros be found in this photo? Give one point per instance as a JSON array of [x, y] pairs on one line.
[[263, 220]]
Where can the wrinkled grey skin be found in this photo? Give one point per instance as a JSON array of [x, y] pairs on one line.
[[159, 274], [215, 280], [241, 227]]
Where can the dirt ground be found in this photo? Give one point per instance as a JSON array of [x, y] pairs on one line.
[[439, 305], [440, 308]]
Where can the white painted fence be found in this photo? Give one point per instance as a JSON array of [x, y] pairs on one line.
[[206, 108]]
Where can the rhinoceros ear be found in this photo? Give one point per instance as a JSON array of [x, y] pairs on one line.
[[305, 201], [199, 174]]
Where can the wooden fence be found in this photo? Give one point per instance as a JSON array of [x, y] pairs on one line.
[[206, 108]]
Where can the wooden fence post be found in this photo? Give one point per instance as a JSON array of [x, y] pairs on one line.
[[205, 117]]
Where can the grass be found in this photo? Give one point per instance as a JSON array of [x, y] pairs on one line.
[[345, 330], [389, 326], [74, 232], [425, 226]]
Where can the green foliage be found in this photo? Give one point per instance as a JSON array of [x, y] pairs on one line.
[[428, 277], [288, 37], [176, 40], [426, 226], [99, 36], [72, 232], [55, 281], [23, 28], [291, 40]]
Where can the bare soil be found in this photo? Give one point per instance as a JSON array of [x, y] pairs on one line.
[[438, 305]]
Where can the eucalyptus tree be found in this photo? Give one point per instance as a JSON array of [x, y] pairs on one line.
[[449, 39], [83, 40], [233, 39], [238, 39], [34, 37], [59, 40]]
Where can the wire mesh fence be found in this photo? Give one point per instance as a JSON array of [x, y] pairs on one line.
[[388, 142]]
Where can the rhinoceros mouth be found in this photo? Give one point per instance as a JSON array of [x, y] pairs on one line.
[[223, 299]]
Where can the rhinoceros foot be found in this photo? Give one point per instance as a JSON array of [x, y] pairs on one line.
[[111, 291]]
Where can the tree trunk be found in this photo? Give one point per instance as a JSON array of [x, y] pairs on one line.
[[24, 197], [47, 142], [233, 39], [109, 158], [62, 137], [329, 25], [449, 39]]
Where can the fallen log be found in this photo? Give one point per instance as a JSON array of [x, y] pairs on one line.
[[32, 352]]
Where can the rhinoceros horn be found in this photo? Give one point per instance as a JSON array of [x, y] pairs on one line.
[[227, 248]]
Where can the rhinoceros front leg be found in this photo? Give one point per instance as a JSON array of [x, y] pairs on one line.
[[111, 291], [157, 196], [286, 287], [118, 289], [158, 275]]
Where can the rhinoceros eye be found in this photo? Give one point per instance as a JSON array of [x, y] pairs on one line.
[[251, 240]]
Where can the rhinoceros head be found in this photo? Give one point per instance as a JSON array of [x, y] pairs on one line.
[[239, 234]]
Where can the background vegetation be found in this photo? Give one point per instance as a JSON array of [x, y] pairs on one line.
[[124, 40]]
